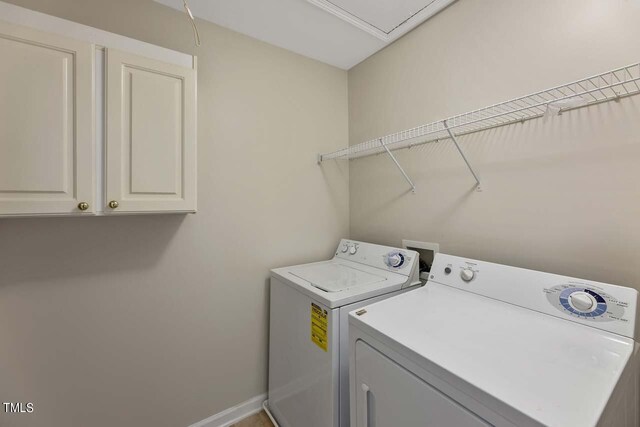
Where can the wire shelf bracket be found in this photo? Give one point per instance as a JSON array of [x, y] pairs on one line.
[[464, 157], [413, 187], [612, 85]]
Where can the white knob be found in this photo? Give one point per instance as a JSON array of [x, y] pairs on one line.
[[353, 250], [467, 274], [345, 248], [582, 301], [394, 260]]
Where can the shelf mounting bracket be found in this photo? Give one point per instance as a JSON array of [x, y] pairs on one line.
[[464, 157], [413, 187]]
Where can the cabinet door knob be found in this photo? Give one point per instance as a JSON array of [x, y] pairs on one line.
[[83, 206], [113, 204]]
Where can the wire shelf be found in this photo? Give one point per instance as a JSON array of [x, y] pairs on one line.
[[612, 85]]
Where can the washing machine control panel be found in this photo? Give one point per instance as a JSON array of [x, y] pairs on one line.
[[601, 305], [384, 257]]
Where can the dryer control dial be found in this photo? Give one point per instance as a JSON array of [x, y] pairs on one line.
[[353, 249], [345, 248], [582, 301]]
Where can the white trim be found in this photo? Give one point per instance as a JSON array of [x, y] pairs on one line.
[[42, 22], [404, 27], [234, 414], [351, 19], [414, 244], [265, 408]]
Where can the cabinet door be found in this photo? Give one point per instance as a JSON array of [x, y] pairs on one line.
[[151, 135], [46, 123]]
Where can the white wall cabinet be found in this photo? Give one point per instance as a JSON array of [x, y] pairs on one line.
[[151, 134], [46, 123], [86, 130]]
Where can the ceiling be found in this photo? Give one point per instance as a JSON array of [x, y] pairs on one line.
[[338, 32]]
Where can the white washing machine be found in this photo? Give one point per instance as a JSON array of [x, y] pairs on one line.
[[308, 341], [483, 344]]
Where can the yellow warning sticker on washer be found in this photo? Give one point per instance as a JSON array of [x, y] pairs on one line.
[[319, 326]]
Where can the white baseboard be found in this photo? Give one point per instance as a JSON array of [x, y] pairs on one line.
[[234, 414]]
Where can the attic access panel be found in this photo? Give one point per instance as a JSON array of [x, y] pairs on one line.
[[385, 19]]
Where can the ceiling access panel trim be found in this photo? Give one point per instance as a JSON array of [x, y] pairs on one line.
[[402, 28]]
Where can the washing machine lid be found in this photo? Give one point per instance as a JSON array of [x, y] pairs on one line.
[[334, 277], [552, 371], [339, 282]]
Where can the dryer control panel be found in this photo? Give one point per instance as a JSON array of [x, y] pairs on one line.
[[587, 301], [601, 305]]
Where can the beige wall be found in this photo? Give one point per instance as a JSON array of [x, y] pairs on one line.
[[162, 320], [561, 195]]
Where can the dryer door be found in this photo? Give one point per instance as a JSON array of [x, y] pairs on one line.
[[387, 395]]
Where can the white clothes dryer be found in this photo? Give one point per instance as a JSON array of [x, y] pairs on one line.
[[483, 344]]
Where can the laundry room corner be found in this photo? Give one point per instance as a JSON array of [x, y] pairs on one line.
[[550, 187]]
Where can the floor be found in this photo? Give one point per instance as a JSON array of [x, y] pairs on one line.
[[258, 420]]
